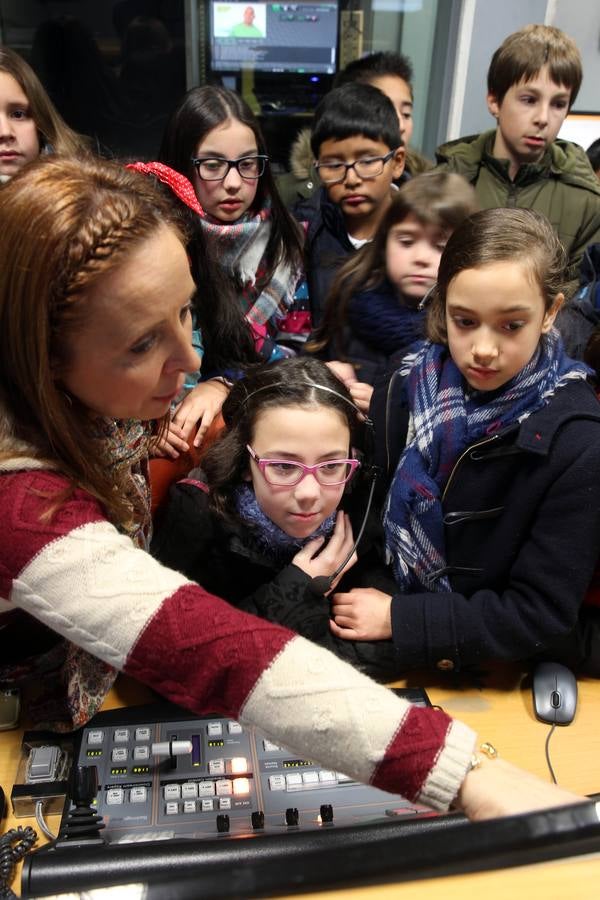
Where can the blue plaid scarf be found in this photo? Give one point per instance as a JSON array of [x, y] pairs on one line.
[[445, 421]]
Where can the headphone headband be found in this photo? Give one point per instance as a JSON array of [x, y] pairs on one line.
[[312, 384]]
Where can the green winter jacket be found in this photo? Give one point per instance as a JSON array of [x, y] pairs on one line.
[[562, 186]]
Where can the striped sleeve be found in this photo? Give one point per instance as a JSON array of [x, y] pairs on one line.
[[89, 583]]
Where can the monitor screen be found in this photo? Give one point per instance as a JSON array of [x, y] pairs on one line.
[[274, 37]]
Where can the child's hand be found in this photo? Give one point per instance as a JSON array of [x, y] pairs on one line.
[[342, 370], [363, 614], [361, 394], [325, 562], [171, 443], [200, 406]]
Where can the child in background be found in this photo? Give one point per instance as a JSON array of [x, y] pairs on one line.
[[492, 519], [214, 140], [251, 525], [29, 123], [372, 314], [533, 81], [390, 72], [357, 143]]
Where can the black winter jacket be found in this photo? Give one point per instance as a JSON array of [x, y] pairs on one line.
[[522, 528], [218, 554]]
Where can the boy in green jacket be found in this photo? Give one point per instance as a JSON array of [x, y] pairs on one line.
[[533, 80]]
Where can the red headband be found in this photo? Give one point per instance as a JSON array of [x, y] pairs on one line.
[[179, 184]]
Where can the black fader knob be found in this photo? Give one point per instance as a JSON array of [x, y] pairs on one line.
[[326, 812], [222, 823], [291, 816], [258, 819]]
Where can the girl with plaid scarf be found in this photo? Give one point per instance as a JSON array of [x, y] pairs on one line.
[[492, 519], [214, 143]]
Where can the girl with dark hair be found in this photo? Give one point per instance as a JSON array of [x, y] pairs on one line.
[[372, 314], [214, 141], [492, 519]]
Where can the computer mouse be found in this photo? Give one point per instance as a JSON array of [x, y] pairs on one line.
[[554, 690]]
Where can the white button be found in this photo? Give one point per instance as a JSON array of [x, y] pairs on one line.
[[238, 765], [327, 777], [216, 767], [293, 781], [234, 728], [119, 754], [310, 777], [172, 792], [172, 809], [223, 787], [207, 805], [121, 735], [241, 787], [225, 803], [141, 752], [277, 782], [114, 796], [95, 737], [343, 778], [137, 795], [206, 789], [269, 746], [143, 734], [189, 790], [189, 806], [214, 729]]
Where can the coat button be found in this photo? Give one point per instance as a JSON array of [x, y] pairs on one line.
[[446, 665]]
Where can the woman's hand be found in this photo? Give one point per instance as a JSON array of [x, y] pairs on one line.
[[361, 394], [199, 407], [362, 614], [171, 443], [497, 788], [342, 370], [316, 560]]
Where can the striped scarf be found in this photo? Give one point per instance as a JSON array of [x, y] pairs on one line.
[[445, 421]]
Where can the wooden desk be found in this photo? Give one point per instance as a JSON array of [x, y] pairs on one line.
[[501, 712]]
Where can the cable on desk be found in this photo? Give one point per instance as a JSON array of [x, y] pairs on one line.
[[23, 840], [39, 818], [547, 751]]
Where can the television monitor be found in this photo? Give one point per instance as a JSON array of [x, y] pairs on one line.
[[582, 128], [295, 38]]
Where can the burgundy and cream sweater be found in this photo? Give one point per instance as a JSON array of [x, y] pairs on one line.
[[83, 579]]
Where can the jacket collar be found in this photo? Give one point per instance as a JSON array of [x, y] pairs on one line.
[[575, 400]]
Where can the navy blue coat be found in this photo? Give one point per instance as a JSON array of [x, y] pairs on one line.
[[522, 529]]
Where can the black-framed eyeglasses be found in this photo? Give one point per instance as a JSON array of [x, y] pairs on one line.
[[288, 472], [333, 171], [216, 169]]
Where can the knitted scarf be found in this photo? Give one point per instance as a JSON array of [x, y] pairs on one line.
[[240, 247], [446, 420], [84, 680], [378, 317], [270, 540]]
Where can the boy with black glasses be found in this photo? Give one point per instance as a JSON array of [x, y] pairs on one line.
[[359, 154]]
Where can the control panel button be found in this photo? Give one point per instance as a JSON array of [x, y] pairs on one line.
[[234, 728], [269, 746], [143, 734], [207, 805], [293, 781], [310, 778], [326, 813], [222, 823], [121, 735], [189, 806], [138, 794], [216, 767], [277, 782], [142, 752], [258, 819], [238, 765], [172, 792], [291, 816], [214, 729], [95, 737], [172, 808], [119, 754], [189, 790], [223, 787], [241, 787], [206, 789], [326, 776], [115, 796], [225, 803]]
